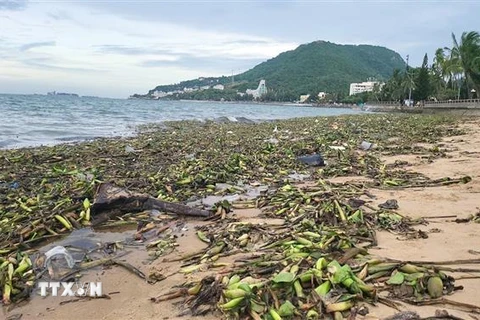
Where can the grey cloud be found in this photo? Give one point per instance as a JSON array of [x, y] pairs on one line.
[[247, 41], [37, 60], [158, 63], [129, 51], [222, 65], [59, 16], [12, 4], [47, 64], [63, 15], [32, 45]]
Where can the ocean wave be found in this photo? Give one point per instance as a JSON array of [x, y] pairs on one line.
[[36, 120]]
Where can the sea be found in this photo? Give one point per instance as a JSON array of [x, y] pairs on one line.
[[35, 120]]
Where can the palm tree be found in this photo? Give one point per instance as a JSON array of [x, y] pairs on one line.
[[440, 65], [465, 58], [457, 73]]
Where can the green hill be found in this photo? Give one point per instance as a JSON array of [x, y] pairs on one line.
[[313, 67]]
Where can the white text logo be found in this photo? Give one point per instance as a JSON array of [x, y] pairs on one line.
[[70, 289]]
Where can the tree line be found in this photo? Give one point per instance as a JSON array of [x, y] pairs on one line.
[[453, 74]]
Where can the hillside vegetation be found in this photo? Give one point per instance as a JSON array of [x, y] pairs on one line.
[[310, 68]]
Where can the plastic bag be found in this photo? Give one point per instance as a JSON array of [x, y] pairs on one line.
[[59, 251]]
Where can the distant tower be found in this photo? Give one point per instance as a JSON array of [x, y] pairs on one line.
[[260, 91], [262, 88]]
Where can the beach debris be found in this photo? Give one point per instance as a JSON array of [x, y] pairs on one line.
[[298, 176], [390, 204], [127, 266], [272, 140], [58, 251], [190, 156], [85, 298], [111, 201], [11, 185], [471, 218], [58, 192], [301, 285], [129, 149], [365, 145], [313, 160], [404, 315], [16, 277]]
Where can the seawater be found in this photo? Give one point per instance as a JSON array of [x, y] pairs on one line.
[[33, 120]]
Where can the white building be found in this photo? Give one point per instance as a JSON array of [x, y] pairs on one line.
[[159, 94], [219, 87], [260, 91], [304, 98], [363, 87]]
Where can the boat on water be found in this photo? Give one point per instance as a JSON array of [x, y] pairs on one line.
[[55, 93]]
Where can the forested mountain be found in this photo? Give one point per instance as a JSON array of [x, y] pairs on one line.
[[310, 68]]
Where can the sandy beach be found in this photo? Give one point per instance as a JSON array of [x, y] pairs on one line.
[[438, 238]]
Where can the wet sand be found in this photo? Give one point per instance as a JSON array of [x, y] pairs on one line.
[[447, 240]]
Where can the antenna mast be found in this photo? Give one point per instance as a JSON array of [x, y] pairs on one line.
[[409, 85]]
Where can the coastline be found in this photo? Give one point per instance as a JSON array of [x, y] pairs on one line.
[[40, 120], [263, 153]]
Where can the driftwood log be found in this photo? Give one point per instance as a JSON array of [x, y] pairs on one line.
[[111, 201]]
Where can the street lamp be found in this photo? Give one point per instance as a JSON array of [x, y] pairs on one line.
[[409, 85]]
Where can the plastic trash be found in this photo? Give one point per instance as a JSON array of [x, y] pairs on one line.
[[59, 251], [391, 204], [272, 141], [129, 149], [341, 148], [190, 156], [365, 145], [12, 185], [298, 176], [314, 160]]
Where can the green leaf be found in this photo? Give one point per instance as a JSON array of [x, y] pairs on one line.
[[339, 273], [284, 277], [397, 278], [287, 309], [413, 276], [86, 203], [245, 287]]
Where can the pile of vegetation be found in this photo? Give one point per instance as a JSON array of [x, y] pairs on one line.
[[318, 263]]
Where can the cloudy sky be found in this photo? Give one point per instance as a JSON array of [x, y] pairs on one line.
[[116, 48]]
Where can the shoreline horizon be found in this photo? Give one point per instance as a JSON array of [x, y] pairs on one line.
[[45, 120]]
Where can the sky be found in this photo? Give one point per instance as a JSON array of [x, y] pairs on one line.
[[117, 48]]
